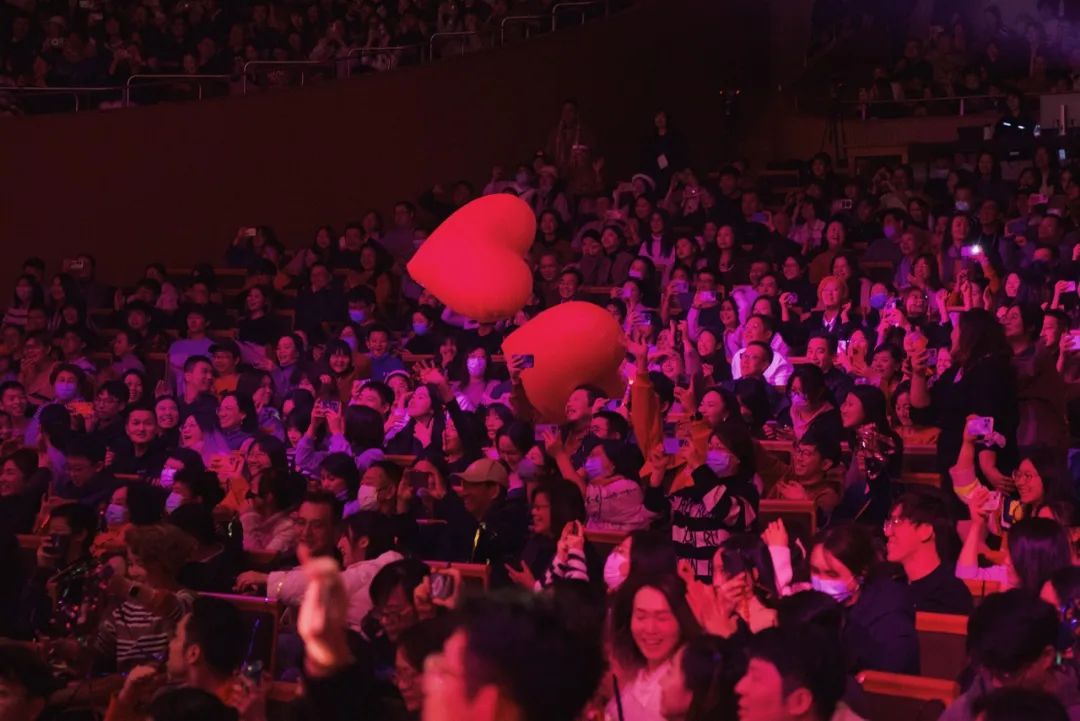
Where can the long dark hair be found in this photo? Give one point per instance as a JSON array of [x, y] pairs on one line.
[[622, 611], [711, 666], [745, 552], [980, 336], [1038, 547]]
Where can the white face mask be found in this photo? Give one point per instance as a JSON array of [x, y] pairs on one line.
[[837, 590], [368, 498], [173, 502], [614, 576]]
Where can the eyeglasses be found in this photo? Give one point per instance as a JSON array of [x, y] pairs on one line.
[[391, 614], [1026, 476], [891, 523]]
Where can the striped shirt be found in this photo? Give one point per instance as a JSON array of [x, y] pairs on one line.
[[705, 514], [132, 634]]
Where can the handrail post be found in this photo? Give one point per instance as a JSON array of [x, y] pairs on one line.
[[243, 78], [961, 107]]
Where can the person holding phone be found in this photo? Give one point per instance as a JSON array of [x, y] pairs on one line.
[[980, 382], [67, 537], [556, 546]]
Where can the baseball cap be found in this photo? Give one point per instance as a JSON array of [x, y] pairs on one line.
[[485, 470]]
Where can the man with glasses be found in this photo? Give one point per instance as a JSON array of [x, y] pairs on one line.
[[318, 523], [920, 534], [812, 457]]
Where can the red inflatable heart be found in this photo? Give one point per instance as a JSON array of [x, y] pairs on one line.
[[573, 344], [475, 261]]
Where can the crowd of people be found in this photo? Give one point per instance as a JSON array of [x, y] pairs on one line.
[[974, 55], [330, 437], [95, 44]]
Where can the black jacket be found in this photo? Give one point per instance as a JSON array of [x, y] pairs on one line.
[[880, 630], [501, 536]]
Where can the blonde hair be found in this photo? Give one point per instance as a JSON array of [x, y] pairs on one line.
[[833, 279]]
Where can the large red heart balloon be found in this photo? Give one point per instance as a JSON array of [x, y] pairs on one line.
[[573, 344], [475, 261]]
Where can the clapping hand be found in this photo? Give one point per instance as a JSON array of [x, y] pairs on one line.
[[775, 534], [322, 619]]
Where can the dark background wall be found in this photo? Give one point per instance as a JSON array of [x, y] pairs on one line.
[[172, 183]]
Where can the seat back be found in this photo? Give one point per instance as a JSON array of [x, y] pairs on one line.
[[942, 644], [799, 517], [475, 576], [898, 697], [981, 589], [604, 541], [262, 619]]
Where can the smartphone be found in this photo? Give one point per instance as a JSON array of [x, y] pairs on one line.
[[707, 296], [645, 317], [77, 265], [846, 204], [525, 360], [971, 251], [612, 405], [168, 475], [543, 428], [931, 357], [1074, 340], [671, 446], [1070, 287], [252, 671], [993, 502], [981, 426], [1037, 199], [329, 406], [442, 585], [762, 217], [82, 408], [1061, 155], [417, 479], [680, 286], [841, 346], [250, 232]]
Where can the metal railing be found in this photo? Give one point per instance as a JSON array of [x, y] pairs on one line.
[[75, 93], [963, 104], [532, 24], [158, 80], [457, 34], [396, 52], [583, 5], [285, 65], [525, 19]]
